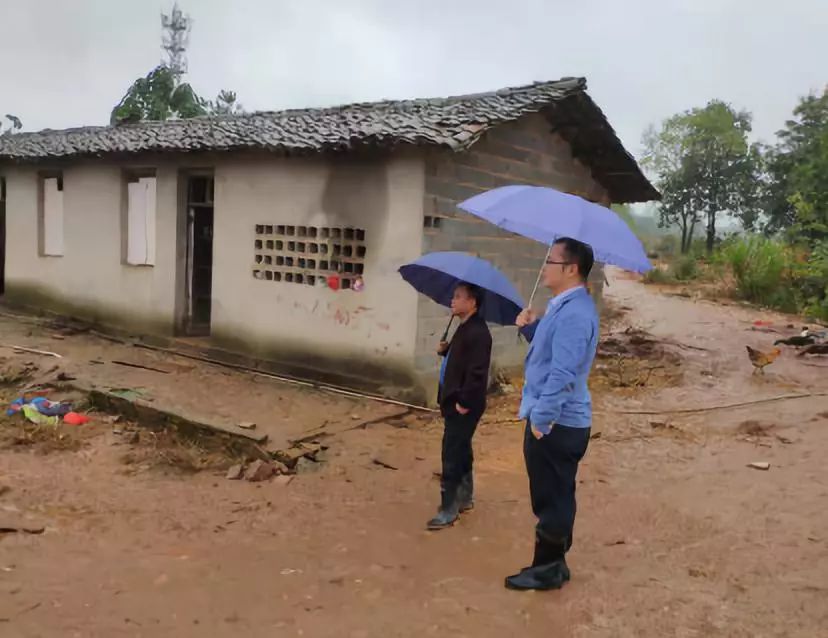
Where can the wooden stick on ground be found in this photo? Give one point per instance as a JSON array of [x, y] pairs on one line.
[[139, 366], [307, 384], [45, 353], [783, 397]]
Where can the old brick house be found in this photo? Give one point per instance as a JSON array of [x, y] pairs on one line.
[[227, 229]]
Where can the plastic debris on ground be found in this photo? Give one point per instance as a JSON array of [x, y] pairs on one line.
[[41, 411], [73, 418]]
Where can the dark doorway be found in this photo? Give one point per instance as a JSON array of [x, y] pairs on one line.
[[199, 254], [2, 235]]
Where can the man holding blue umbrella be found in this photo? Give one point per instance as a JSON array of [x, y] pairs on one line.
[[557, 407], [476, 292], [556, 402], [464, 380]]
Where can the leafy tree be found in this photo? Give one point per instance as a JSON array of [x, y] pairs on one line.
[[225, 104], [14, 125], [706, 168], [797, 195], [665, 154], [679, 207], [157, 97]]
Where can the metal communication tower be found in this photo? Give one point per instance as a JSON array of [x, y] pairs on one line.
[[175, 39]]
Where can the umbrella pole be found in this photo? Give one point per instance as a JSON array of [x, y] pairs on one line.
[[537, 283], [540, 274], [445, 334]]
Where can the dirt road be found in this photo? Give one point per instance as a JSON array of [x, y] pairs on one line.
[[676, 536]]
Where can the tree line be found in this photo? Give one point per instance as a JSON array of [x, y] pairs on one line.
[[707, 168]]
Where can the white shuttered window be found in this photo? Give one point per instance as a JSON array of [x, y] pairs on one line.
[[52, 217], [141, 222]]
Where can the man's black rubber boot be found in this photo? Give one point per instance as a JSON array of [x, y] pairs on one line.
[[549, 569], [465, 493], [449, 509], [541, 578]]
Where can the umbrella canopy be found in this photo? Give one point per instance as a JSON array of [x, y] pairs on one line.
[[545, 215], [437, 274]]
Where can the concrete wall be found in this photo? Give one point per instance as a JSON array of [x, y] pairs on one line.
[[90, 280], [525, 152], [363, 338]]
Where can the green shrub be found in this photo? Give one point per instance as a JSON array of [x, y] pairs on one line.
[[761, 268], [810, 280], [667, 245], [685, 268], [658, 276]]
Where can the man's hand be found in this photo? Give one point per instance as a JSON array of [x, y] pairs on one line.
[[536, 433], [442, 348], [526, 317], [460, 409]]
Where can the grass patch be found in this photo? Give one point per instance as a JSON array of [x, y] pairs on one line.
[[659, 276], [167, 448], [43, 439], [761, 269]]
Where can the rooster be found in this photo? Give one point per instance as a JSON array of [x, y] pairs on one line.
[[761, 359], [816, 348], [805, 338], [797, 341]]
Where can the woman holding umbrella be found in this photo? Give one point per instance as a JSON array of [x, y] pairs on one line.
[[476, 292]]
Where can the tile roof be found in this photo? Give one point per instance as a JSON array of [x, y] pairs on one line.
[[454, 123]]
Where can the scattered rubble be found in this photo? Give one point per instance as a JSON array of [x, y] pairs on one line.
[[305, 465], [633, 358], [260, 471], [291, 456], [235, 473], [385, 464], [759, 465], [752, 427]]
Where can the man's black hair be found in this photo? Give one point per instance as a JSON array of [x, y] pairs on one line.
[[578, 253], [475, 292]]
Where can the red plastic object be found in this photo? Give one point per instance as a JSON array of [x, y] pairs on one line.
[[333, 282], [73, 418]]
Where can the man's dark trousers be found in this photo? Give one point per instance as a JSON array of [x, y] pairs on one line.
[[552, 465], [457, 454]]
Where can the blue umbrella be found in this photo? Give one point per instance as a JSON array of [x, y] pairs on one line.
[[437, 274], [545, 215]]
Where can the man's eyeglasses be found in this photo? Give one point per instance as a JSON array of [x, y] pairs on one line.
[[552, 262]]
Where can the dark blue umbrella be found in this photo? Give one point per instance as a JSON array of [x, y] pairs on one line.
[[437, 274]]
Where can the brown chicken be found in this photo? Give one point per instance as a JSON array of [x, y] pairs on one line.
[[761, 359]]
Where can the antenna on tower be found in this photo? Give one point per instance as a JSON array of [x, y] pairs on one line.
[[175, 39]]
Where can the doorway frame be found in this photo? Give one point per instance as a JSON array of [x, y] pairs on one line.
[[3, 197], [184, 267]]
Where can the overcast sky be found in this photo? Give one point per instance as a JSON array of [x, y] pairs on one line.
[[67, 62]]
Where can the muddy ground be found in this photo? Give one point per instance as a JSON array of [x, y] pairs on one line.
[[676, 535]]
